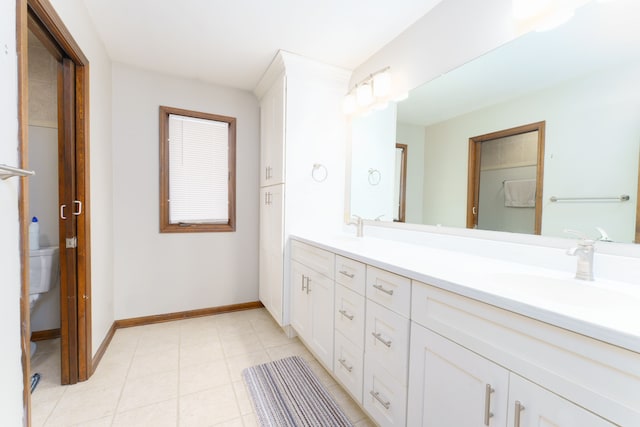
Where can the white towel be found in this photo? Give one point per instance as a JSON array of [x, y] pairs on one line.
[[520, 193]]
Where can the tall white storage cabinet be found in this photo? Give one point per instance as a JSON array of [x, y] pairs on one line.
[[302, 161]]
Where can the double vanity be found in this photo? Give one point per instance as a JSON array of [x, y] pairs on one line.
[[425, 336]]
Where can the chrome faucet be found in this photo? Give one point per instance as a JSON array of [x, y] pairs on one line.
[[584, 251], [359, 223]]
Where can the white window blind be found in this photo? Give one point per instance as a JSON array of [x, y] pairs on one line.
[[198, 170]]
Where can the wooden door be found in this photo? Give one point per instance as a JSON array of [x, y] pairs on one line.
[[69, 210]]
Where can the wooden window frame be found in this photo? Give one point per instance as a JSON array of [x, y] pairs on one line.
[[165, 225]]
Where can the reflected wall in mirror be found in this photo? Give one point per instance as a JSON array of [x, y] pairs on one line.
[[505, 172], [582, 79]]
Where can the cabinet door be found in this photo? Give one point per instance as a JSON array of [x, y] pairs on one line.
[[452, 386], [300, 300], [320, 291], [271, 290], [272, 133], [532, 406]]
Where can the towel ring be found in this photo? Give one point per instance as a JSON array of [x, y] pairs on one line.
[[374, 176], [319, 172]]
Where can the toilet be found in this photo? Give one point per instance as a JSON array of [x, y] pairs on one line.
[[44, 275]]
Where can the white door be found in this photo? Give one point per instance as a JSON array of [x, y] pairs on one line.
[[321, 311], [532, 406], [452, 386]]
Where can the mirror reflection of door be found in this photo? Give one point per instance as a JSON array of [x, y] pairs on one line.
[[505, 173], [400, 187]]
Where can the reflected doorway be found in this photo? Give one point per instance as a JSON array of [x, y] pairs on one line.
[[400, 187], [505, 180]]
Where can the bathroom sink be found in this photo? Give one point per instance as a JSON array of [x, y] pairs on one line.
[[564, 289]]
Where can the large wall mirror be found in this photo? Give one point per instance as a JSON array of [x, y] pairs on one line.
[[581, 80]]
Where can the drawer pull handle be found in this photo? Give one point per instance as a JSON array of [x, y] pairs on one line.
[[487, 403], [345, 314], [376, 395], [303, 287], [346, 273], [343, 362], [378, 336], [386, 291], [308, 282], [519, 408]]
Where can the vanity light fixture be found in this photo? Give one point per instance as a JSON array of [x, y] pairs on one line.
[[372, 90]]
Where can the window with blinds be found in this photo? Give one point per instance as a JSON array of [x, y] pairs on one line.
[[197, 171]]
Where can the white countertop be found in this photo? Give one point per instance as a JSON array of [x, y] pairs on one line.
[[605, 310]]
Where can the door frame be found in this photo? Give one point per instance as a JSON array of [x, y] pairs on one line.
[[42, 12], [473, 177]]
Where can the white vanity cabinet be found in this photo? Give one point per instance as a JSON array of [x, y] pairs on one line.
[[297, 137], [490, 361], [349, 318], [386, 354], [271, 250], [312, 299]]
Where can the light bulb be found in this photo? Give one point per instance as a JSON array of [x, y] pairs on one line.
[[364, 94], [382, 84]]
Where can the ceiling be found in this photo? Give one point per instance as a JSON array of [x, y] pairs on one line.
[[231, 43]]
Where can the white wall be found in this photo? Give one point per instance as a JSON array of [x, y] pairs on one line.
[[170, 272], [10, 365], [576, 118], [373, 147], [74, 14], [452, 33], [413, 137], [43, 203]]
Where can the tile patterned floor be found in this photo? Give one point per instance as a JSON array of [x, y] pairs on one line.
[[182, 373]]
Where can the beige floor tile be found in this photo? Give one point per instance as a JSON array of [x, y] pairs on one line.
[[234, 328], [293, 348], [201, 353], [365, 423], [101, 422], [194, 378], [154, 363], [242, 344], [157, 415], [321, 373], [250, 420], [198, 334], [273, 338], [208, 407], [242, 397], [40, 411], [237, 422], [147, 390], [78, 406], [238, 363]]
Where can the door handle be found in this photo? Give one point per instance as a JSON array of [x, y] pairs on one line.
[[78, 205], [62, 211]]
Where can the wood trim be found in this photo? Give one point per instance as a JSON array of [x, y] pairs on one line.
[[403, 183], [47, 334], [35, 26], [103, 348], [83, 225], [23, 201], [165, 225], [44, 11], [473, 186], [159, 318]]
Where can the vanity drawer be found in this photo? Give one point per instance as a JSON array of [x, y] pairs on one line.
[[349, 315], [351, 274], [387, 340], [390, 290], [349, 365], [384, 398], [315, 258]]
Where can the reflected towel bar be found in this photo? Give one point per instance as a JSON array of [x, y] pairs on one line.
[[622, 198], [9, 171]]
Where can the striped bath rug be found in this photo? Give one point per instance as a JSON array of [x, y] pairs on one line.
[[285, 392]]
